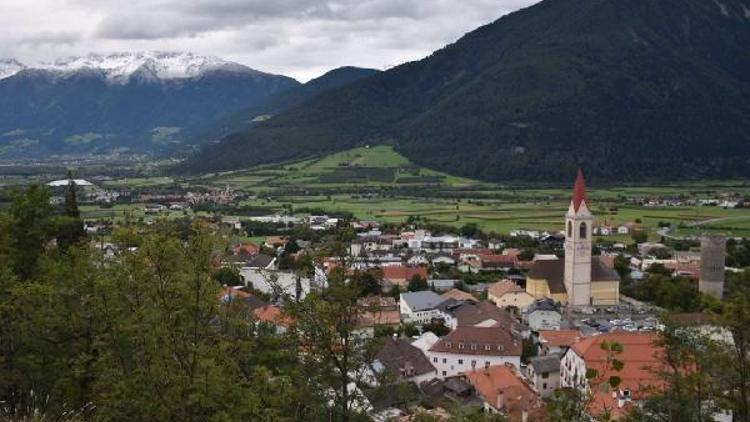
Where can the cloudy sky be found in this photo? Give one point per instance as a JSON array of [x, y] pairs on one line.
[[299, 38]]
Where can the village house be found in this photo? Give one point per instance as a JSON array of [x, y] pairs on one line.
[[403, 362], [544, 373], [507, 293], [458, 295], [419, 307], [400, 275], [273, 316], [470, 348], [544, 314], [504, 392], [640, 358], [475, 314], [442, 285]]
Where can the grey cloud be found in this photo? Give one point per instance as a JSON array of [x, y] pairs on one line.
[[48, 38], [301, 38]]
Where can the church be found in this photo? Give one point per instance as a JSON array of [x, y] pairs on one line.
[[580, 279]]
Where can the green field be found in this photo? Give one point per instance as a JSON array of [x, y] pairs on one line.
[[378, 183]]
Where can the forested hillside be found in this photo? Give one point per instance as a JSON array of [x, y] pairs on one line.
[[637, 90]]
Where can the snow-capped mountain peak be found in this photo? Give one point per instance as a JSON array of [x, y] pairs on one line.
[[152, 65], [9, 67]]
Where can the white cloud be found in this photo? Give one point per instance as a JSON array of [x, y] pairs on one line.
[[299, 38]]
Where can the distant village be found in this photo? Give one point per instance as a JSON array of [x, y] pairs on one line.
[[497, 323]]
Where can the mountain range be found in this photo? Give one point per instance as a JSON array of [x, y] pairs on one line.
[[634, 90]]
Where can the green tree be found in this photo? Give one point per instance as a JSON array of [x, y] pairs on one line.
[[417, 283], [25, 230]]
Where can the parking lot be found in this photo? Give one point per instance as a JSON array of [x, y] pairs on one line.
[[624, 317]]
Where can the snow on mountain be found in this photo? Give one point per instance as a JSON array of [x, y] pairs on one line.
[[9, 67], [120, 67]]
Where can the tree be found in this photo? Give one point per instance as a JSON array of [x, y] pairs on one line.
[[227, 276], [688, 393], [417, 283], [437, 327], [25, 229], [325, 326], [639, 236], [70, 203]]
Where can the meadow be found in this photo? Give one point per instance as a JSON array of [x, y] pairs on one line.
[[378, 183]]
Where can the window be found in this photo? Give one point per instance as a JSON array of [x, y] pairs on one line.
[[448, 345], [486, 364], [487, 347], [460, 346], [570, 229], [434, 360], [473, 346], [582, 231], [544, 386], [445, 360], [545, 375], [473, 363], [444, 374]]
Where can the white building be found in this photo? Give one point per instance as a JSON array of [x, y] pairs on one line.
[[470, 348], [419, 307]]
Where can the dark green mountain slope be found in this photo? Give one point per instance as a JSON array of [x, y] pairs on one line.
[[282, 101], [636, 89]]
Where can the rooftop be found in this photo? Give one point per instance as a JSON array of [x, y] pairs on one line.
[[486, 341], [421, 301]]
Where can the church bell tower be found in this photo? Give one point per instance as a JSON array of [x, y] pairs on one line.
[[578, 230]]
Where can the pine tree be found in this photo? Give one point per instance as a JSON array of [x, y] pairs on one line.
[[71, 201]]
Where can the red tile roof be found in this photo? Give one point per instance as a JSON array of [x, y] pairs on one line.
[[502, 382], [229, 292], [400, 272], [458, 295], [560, 338], [272, 314], [499, 260], [640, 358], [579, 190], [503, 287], [246, 248]]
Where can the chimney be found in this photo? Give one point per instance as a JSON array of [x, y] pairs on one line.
[[500, 400]]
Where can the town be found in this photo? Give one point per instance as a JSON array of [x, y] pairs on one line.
[[501, 324]]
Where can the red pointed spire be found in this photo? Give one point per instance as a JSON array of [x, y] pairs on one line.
[[579, 190]]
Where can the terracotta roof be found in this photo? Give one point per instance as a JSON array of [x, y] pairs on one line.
[[501, 288], [458, 295], [483, 341], [554, 270], [400, 272], [272, 314], [373, 318], [230, 293], [579, 190], [245, 248], [640, 358], [402, 359], [502, 380], [275, 240], [560, 338], [498, 260]]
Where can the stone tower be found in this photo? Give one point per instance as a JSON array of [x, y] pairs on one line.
[[713, 255], [578, 230]]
